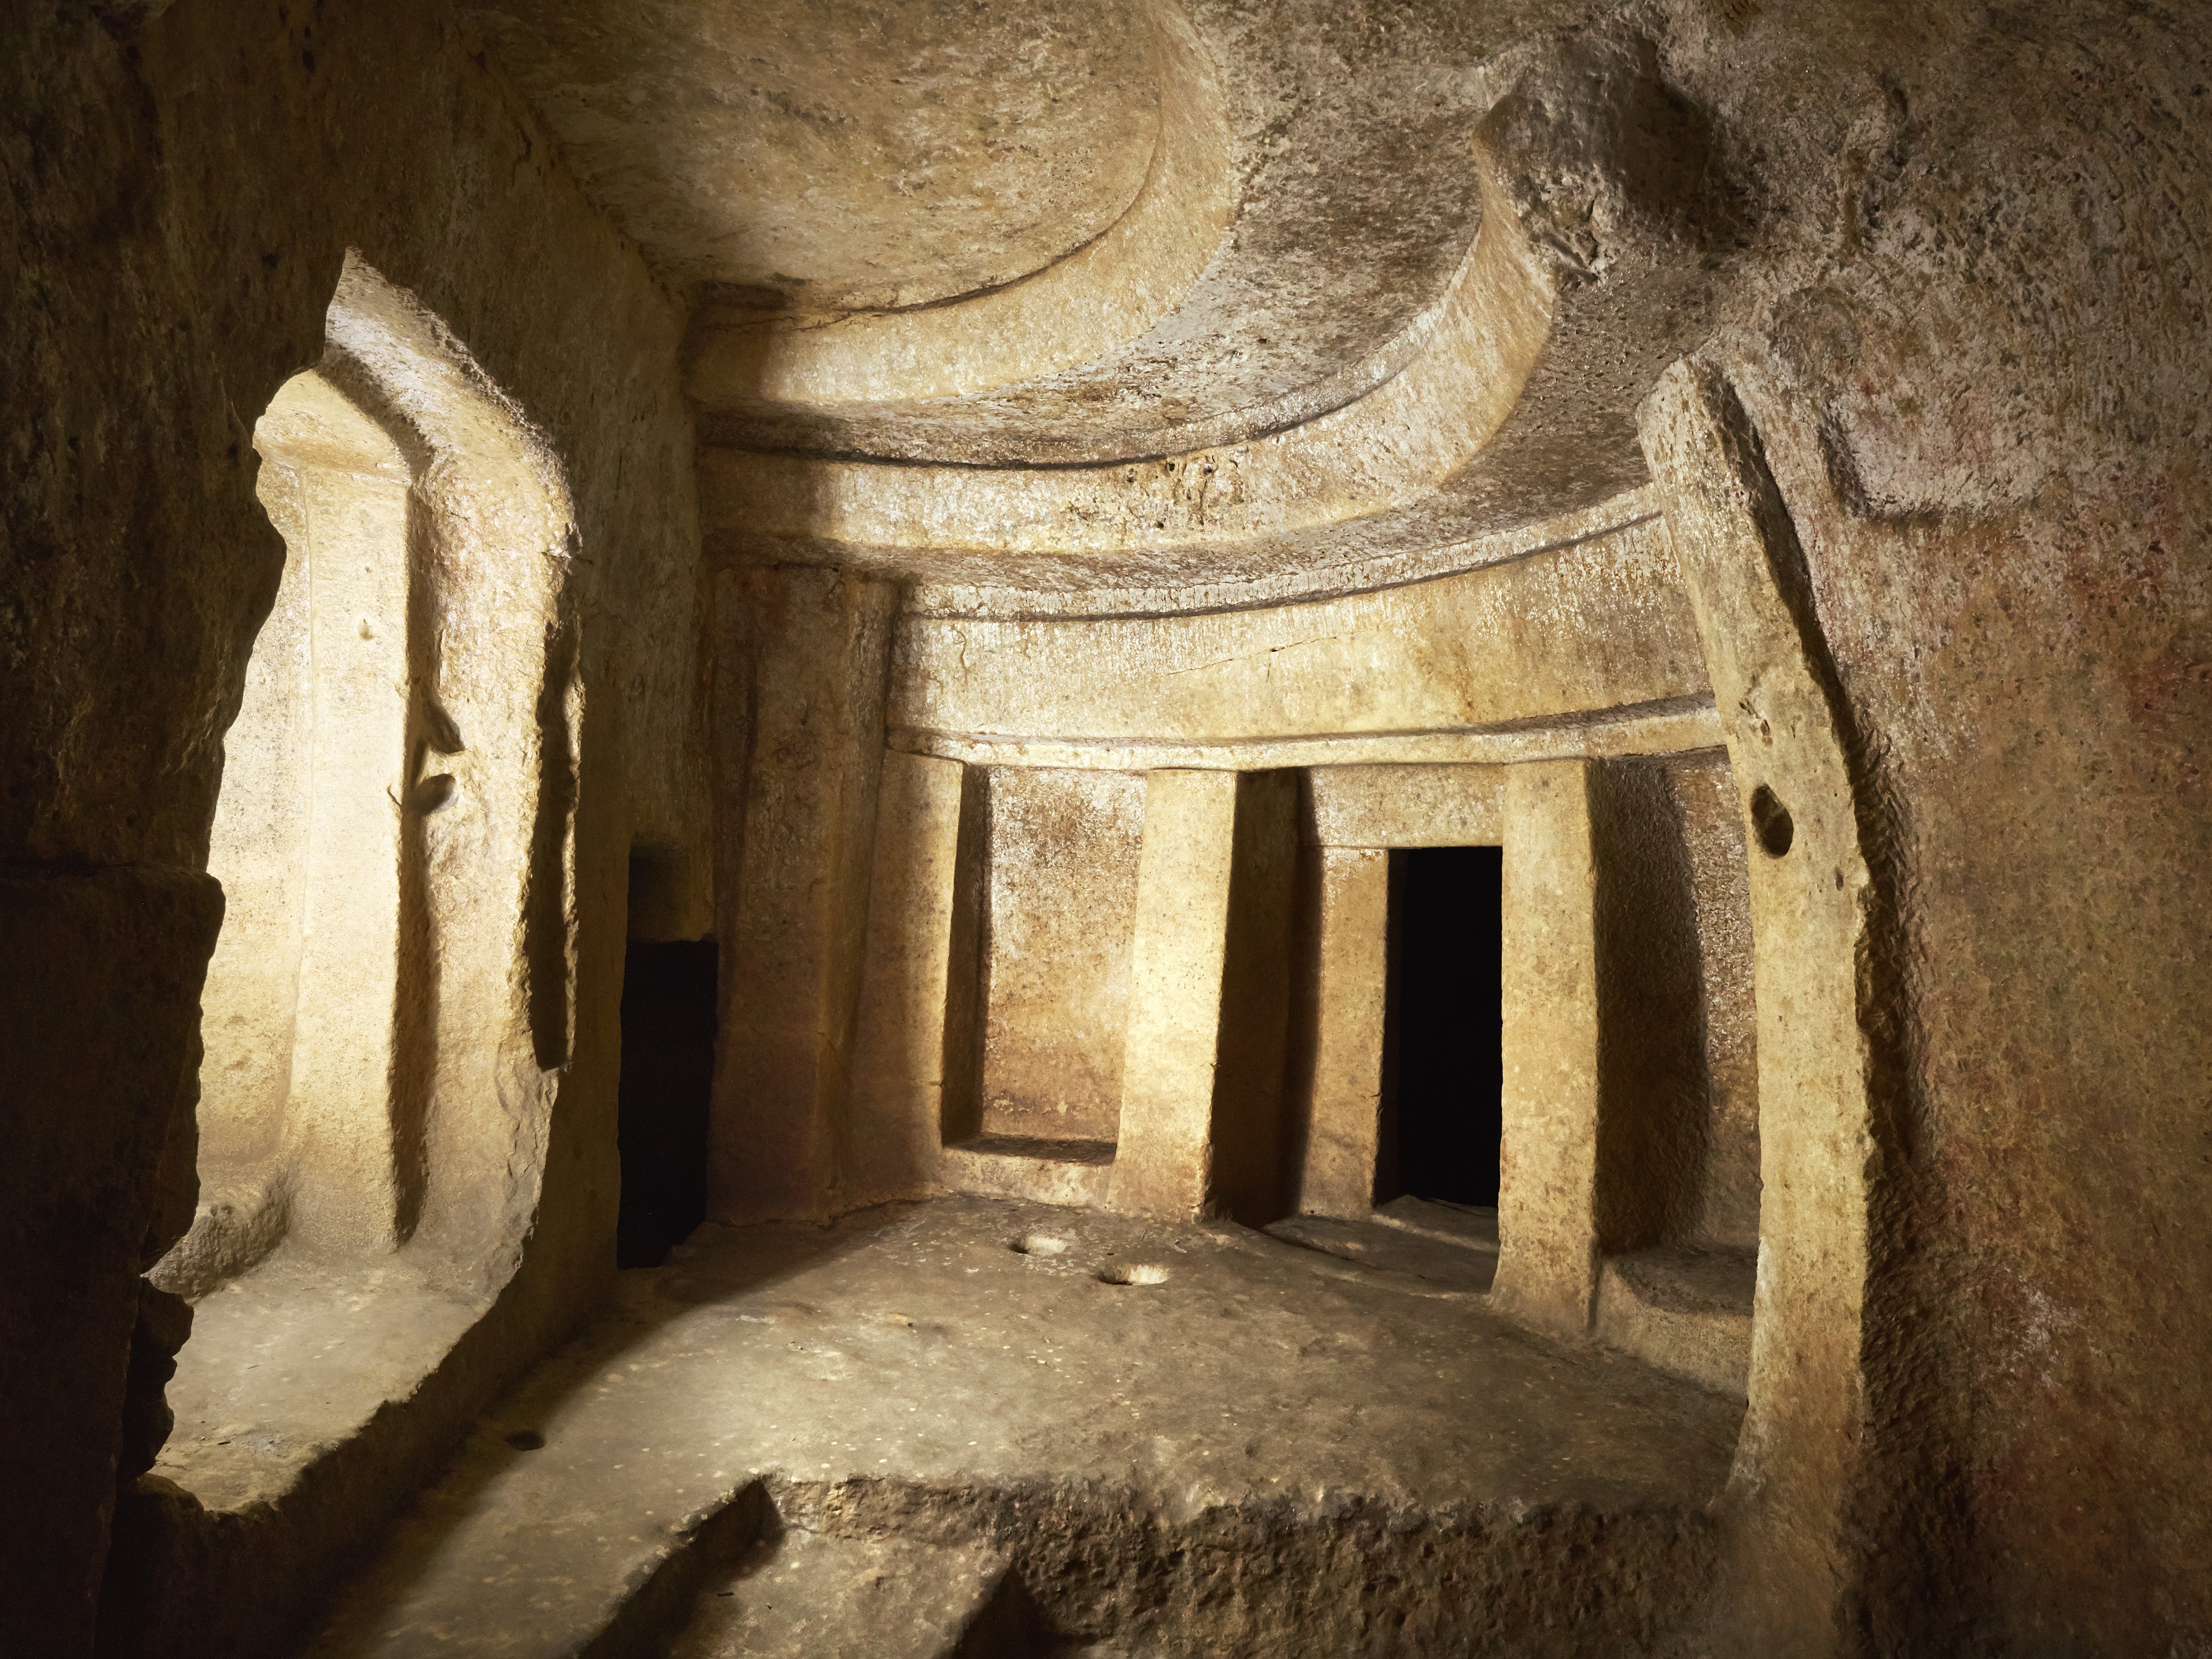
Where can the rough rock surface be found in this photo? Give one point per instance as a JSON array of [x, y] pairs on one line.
[[1939, 274], [1266, 1451], [845, 157], [803, 1594], [182, 184]]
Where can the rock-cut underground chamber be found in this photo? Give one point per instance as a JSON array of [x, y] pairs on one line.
[[1527, 1024], [387, 1009]]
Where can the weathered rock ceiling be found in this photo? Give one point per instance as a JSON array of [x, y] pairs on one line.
[[841, 153], [1068, 304]]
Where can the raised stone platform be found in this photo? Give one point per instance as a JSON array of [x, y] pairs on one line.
[[1247, 1448]]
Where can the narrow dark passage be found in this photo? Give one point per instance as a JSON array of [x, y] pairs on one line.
[[1445, 985], [667, 1071]]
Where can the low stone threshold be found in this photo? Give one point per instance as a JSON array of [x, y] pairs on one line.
[[1453, 1249], [1684, 1310], [1474, 1226], [1013, 1428], [1072, 1172], [1086, 1153]]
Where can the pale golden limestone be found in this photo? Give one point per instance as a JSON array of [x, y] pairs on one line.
[[392, 1021], [1569, 636], [1060, 903], [1337, 1067], [896, 1105], [1390, 447], [399, 976], [1790, 748], [296, 1090], [841, 157], [1413, 805], [1163, 1162], [1352, 816], [1547, 1190], [1081, 304], [801, 706], [1161, 461]]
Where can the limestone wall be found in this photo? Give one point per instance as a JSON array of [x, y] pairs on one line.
[[1976, 379], [1725, 1210], [1923, 546], [179, 227], [1061, 904], [1589, 624], [1584, 647], [1064, 953]]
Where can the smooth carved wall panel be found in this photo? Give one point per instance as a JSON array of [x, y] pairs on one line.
[[1341, 995], [1597, 626], [1713, 832], [1653, 1145], [1182, 921], [1061, 898], [801, 703], [1412, 804], [895, 1110], [1252, 1178]]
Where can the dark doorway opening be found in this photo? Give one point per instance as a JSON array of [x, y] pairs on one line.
[[1444, 1070], [667, 1073]]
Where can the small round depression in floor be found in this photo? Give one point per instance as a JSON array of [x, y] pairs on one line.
[[1134, 1272], [526, 1440], [1039, 1245]]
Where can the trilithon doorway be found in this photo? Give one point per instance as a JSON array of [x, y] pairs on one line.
[[1444, 1067], [667, 1076]]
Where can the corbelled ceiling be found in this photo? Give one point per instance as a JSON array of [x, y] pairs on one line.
[[1170, 301]]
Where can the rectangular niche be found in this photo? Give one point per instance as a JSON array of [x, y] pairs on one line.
[[303, 1013], [1678, 1132], [1060, 913], [1677, 1190]]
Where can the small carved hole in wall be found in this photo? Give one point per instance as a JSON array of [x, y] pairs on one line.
[[433, 792], [1134, 1272], [526, 1440], [1039, 1245], [1771, 821]]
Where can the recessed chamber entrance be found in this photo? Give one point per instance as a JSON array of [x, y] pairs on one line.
[[667, 1081], [1442, 1058]]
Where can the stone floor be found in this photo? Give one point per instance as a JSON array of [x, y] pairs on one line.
[[290, 1360], [1004, 1426]]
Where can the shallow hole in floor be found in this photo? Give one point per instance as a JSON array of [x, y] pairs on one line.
[[1039, 1245], [526, 1440], [1134, 1272]]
